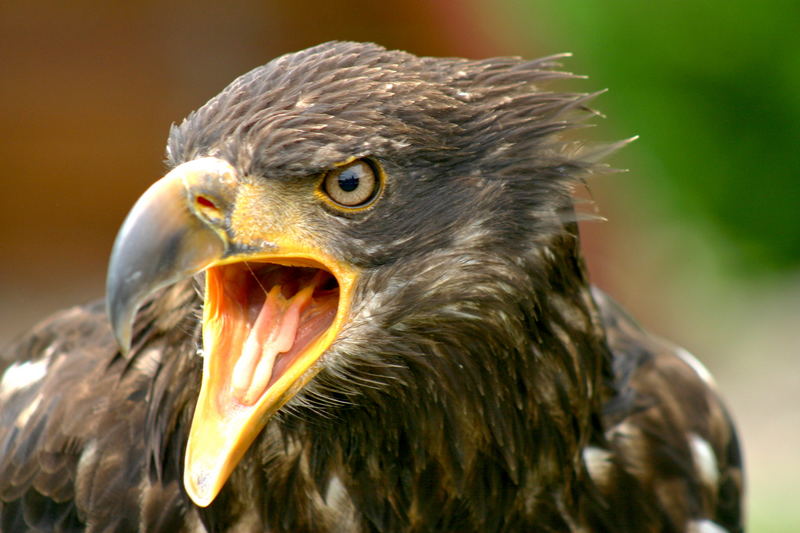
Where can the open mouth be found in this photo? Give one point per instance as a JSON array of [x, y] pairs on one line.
[[266, 323], [261, 318]]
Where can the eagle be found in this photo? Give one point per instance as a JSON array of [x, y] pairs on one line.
[[356, 302]]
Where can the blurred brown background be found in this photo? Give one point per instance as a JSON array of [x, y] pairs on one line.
[[88, 91]]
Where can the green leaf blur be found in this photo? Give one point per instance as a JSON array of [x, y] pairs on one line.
[[712, 88]]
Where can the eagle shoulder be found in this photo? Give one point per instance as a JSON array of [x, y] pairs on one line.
[[671, 453], [78, 430]]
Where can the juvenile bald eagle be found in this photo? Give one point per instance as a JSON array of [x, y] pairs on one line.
[[362, 307]]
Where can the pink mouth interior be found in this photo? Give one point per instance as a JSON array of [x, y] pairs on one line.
[[267, 315]]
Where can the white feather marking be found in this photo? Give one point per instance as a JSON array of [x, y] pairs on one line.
[[705, 461], [697, 366], [471, 233], [335, 491], [25, 414], [704, 526], [149, 362], [22, 375], [598, 462], [398, 144], [628, 438], [88, 456]]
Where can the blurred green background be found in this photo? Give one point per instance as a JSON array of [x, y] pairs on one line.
[[702, 241]]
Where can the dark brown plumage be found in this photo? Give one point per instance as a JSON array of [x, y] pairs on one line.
[[472, 380]]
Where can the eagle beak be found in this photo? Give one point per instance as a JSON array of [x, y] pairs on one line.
[[163, 240], [274, 301]]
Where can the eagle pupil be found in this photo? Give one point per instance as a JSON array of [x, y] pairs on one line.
[[348, 181]]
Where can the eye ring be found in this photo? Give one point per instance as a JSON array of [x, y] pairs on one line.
[[353, 185]]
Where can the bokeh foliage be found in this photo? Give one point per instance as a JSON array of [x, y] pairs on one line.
[[713, 88]]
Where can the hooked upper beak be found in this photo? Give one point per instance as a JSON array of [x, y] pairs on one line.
[[170, 234]]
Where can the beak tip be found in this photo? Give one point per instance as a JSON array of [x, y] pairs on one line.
[[199, 488], [124, 342], [120, 327]]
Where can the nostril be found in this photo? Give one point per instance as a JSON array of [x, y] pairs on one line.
[[206, 207], [202, 201]]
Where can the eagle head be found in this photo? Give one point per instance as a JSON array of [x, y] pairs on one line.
[[378, 238]]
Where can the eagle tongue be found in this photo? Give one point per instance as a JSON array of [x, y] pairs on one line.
[[273, 332]]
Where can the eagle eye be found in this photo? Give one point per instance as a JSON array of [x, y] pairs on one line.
[[352, 185]]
